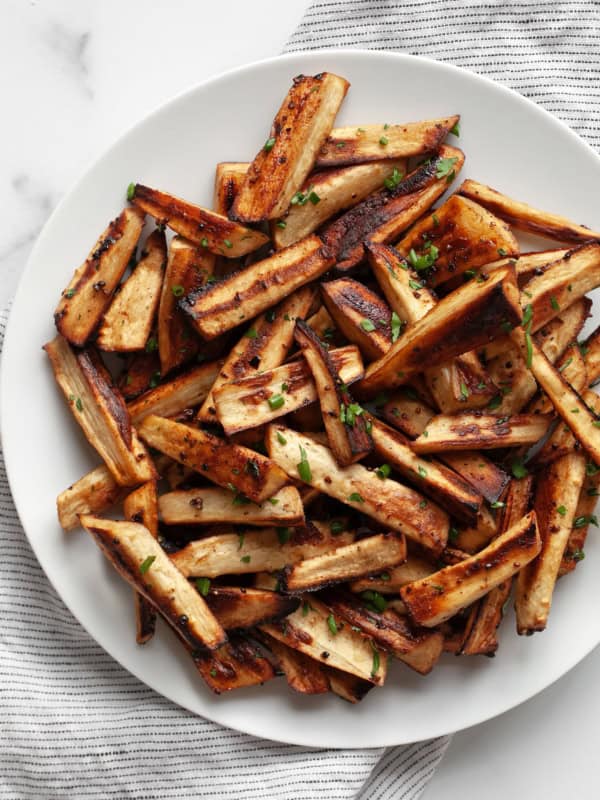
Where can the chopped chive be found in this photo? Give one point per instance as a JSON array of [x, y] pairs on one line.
[[282, 224], [554, 304], [383, 141], [79, 404], [355, 497], [374, 600], [422, 471], [383, 471], [227, 243], [455, 129], [70, 293], [561, 510], [336, 527], [497, 504], [314, 198], [177, 290], [375, 666], [529, 350], [251, 333], [519, 470], [245, 559], [283, 534], [281, 438], [204, 242], [269, 144], [527, 315], [304, 467], [146, 564], [367, 325], [203, 585], [464, 391], [331, 624], [276, 401], [131, 191]]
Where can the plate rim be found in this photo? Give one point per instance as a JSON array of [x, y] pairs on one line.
[[7, 439]]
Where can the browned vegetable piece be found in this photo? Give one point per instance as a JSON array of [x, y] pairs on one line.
[[94, 492], [346, 686], [299, 129], [244, 471], [407, 412], [348, 437], [438, 597], [488, 612], [140, 560], [314, 631], [91, 288], [584, 517], [392, 580], [393, 505], [127, 323], [462, 321], [233, 666], [263, 346], [209, 506], [336, 189], [172, 398], [526, 218], [470, 431], [461, 383], [477, 470], [322, 324], [242, 296], [361, 315], [566, 401], [188, 269], [460, 235], [528, 264], [302, 673], [419, 649], [555, 503], [229, 177], [346, 563], [141, 506], [552, 292], [267, 549], [387, 213], [142, 373], [214, 232], [256, 400], [100, 411], [432, 478], [241, 607], [355, 145], [475, 537]]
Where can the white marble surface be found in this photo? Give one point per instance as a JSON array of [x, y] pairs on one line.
[[75, 74]]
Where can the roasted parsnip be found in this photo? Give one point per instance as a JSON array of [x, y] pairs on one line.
[[242, 296], [266, 550], [355, 145], [127, 324], [458, 236], [238, 607], [345, 563], [462, 321], [438, 597], [332, 191], [261, 398], [100, 411], [214, 232], [244, 471], [388, 502], [481, 431], [555, 504], [299, 130], [314, 631], [140, 560], [209, 506], [526, 218], [92, 287], [263, 346], [346, 430], [141, 506]]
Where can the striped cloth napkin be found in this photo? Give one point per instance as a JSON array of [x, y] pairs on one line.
[[73, 723]]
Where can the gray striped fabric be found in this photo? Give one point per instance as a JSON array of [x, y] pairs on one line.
[[549, 52], [73, 723]]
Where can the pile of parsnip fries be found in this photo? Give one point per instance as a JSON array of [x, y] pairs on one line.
[[345, 414]]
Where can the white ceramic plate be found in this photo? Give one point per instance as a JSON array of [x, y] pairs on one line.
[[510, 144]]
